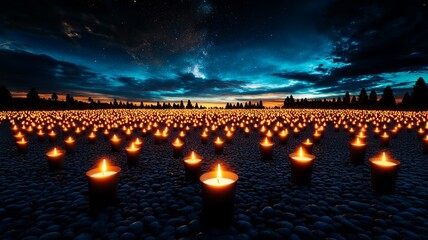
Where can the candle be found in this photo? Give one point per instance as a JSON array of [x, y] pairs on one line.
[[18, 136], [69, 145], [425, 144], [384, 140], [128, 134], [177, 148], [229, 137], [132, 154], [192, 166], [22, 146], [40, 136], [165, 135], [351, 132], [247, 132], [420, 133], [138, 143], [158, 137], [55, 159], [218, 193], [296, 132], [106, 134], [103, 184], [317, 137], [362, 137], [266, 149], [336, 127], [307, 146], [52, 136], [218, 146], [116, 143], [376, 132], [204, 137], [384, 173], [394, 133], [357, 151], [301, 167], [283, 137], [92, 137]]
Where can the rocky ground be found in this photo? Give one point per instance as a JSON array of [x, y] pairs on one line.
[[156, 201]]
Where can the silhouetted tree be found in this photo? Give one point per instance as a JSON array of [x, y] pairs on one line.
[[141, 104], [54, 97], [363, 99], [354, 100], [189, 104], [181, 104], [407, 101], [339, 100], [90, 100], [388, 98], [261, 104], [33, 95], [196, 106], [69, 98], [5, 95], [373, 97], [420, 93], [347, 98]]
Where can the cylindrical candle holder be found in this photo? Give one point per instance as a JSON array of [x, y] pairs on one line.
[[301, 168], [383, 174], [103, 186], [55, 159]]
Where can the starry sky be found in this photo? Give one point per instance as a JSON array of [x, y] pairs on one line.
[[212, 51]]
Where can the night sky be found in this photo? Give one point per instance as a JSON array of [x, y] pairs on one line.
[[212, 51]]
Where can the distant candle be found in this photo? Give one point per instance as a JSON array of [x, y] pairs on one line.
[[307, 146], [283, 137], [22, 145], [116, 143], [92, 137], [384, 140], [132, 154], [204, 137], [158, 137]]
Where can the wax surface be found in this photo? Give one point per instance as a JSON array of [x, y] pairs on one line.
[[103, 174], [384, 163], [218, 182], [302, 159], [192, 161]]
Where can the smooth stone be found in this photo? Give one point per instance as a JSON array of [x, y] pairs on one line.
[[182, 231], [136, 227], [127, 236], [244, 225], [50, 236], [302, 230]]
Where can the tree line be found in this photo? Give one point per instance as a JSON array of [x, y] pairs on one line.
[[34, 101], [417, 99]]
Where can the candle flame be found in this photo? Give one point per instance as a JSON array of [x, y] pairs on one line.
[[55, 152], [132, 146], [218, 172], [22, 140], [104, 166], [266, 141], [300, 152], [114, 137], [358, 140], [308, 141], [383, 157], [193, 155]]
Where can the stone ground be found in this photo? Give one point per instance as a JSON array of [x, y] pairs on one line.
[[156, 202]]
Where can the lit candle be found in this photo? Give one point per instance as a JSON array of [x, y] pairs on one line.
[[182, 135], [301, 167], [229, 137], [384, 173], [351, 132], [420, 133], [296, 132], [55, 159], [158, 137], [69, 145], [92, 137], [247, 132], [18, 136], [425, 144], [52, 136], [177, 148], [307, 146], [283, 137], [165, 135], [394, 133], [132, 154], [103, 184], [138, 143], [218, 193], [116, 143], [357, 151], [106, 134], [192, 166], [40, 136], [218, 146], [376, 132], [317, 137], [266, 149], [204, 137], [22, 146], [384, 140], [336, 127], [128, 134]]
